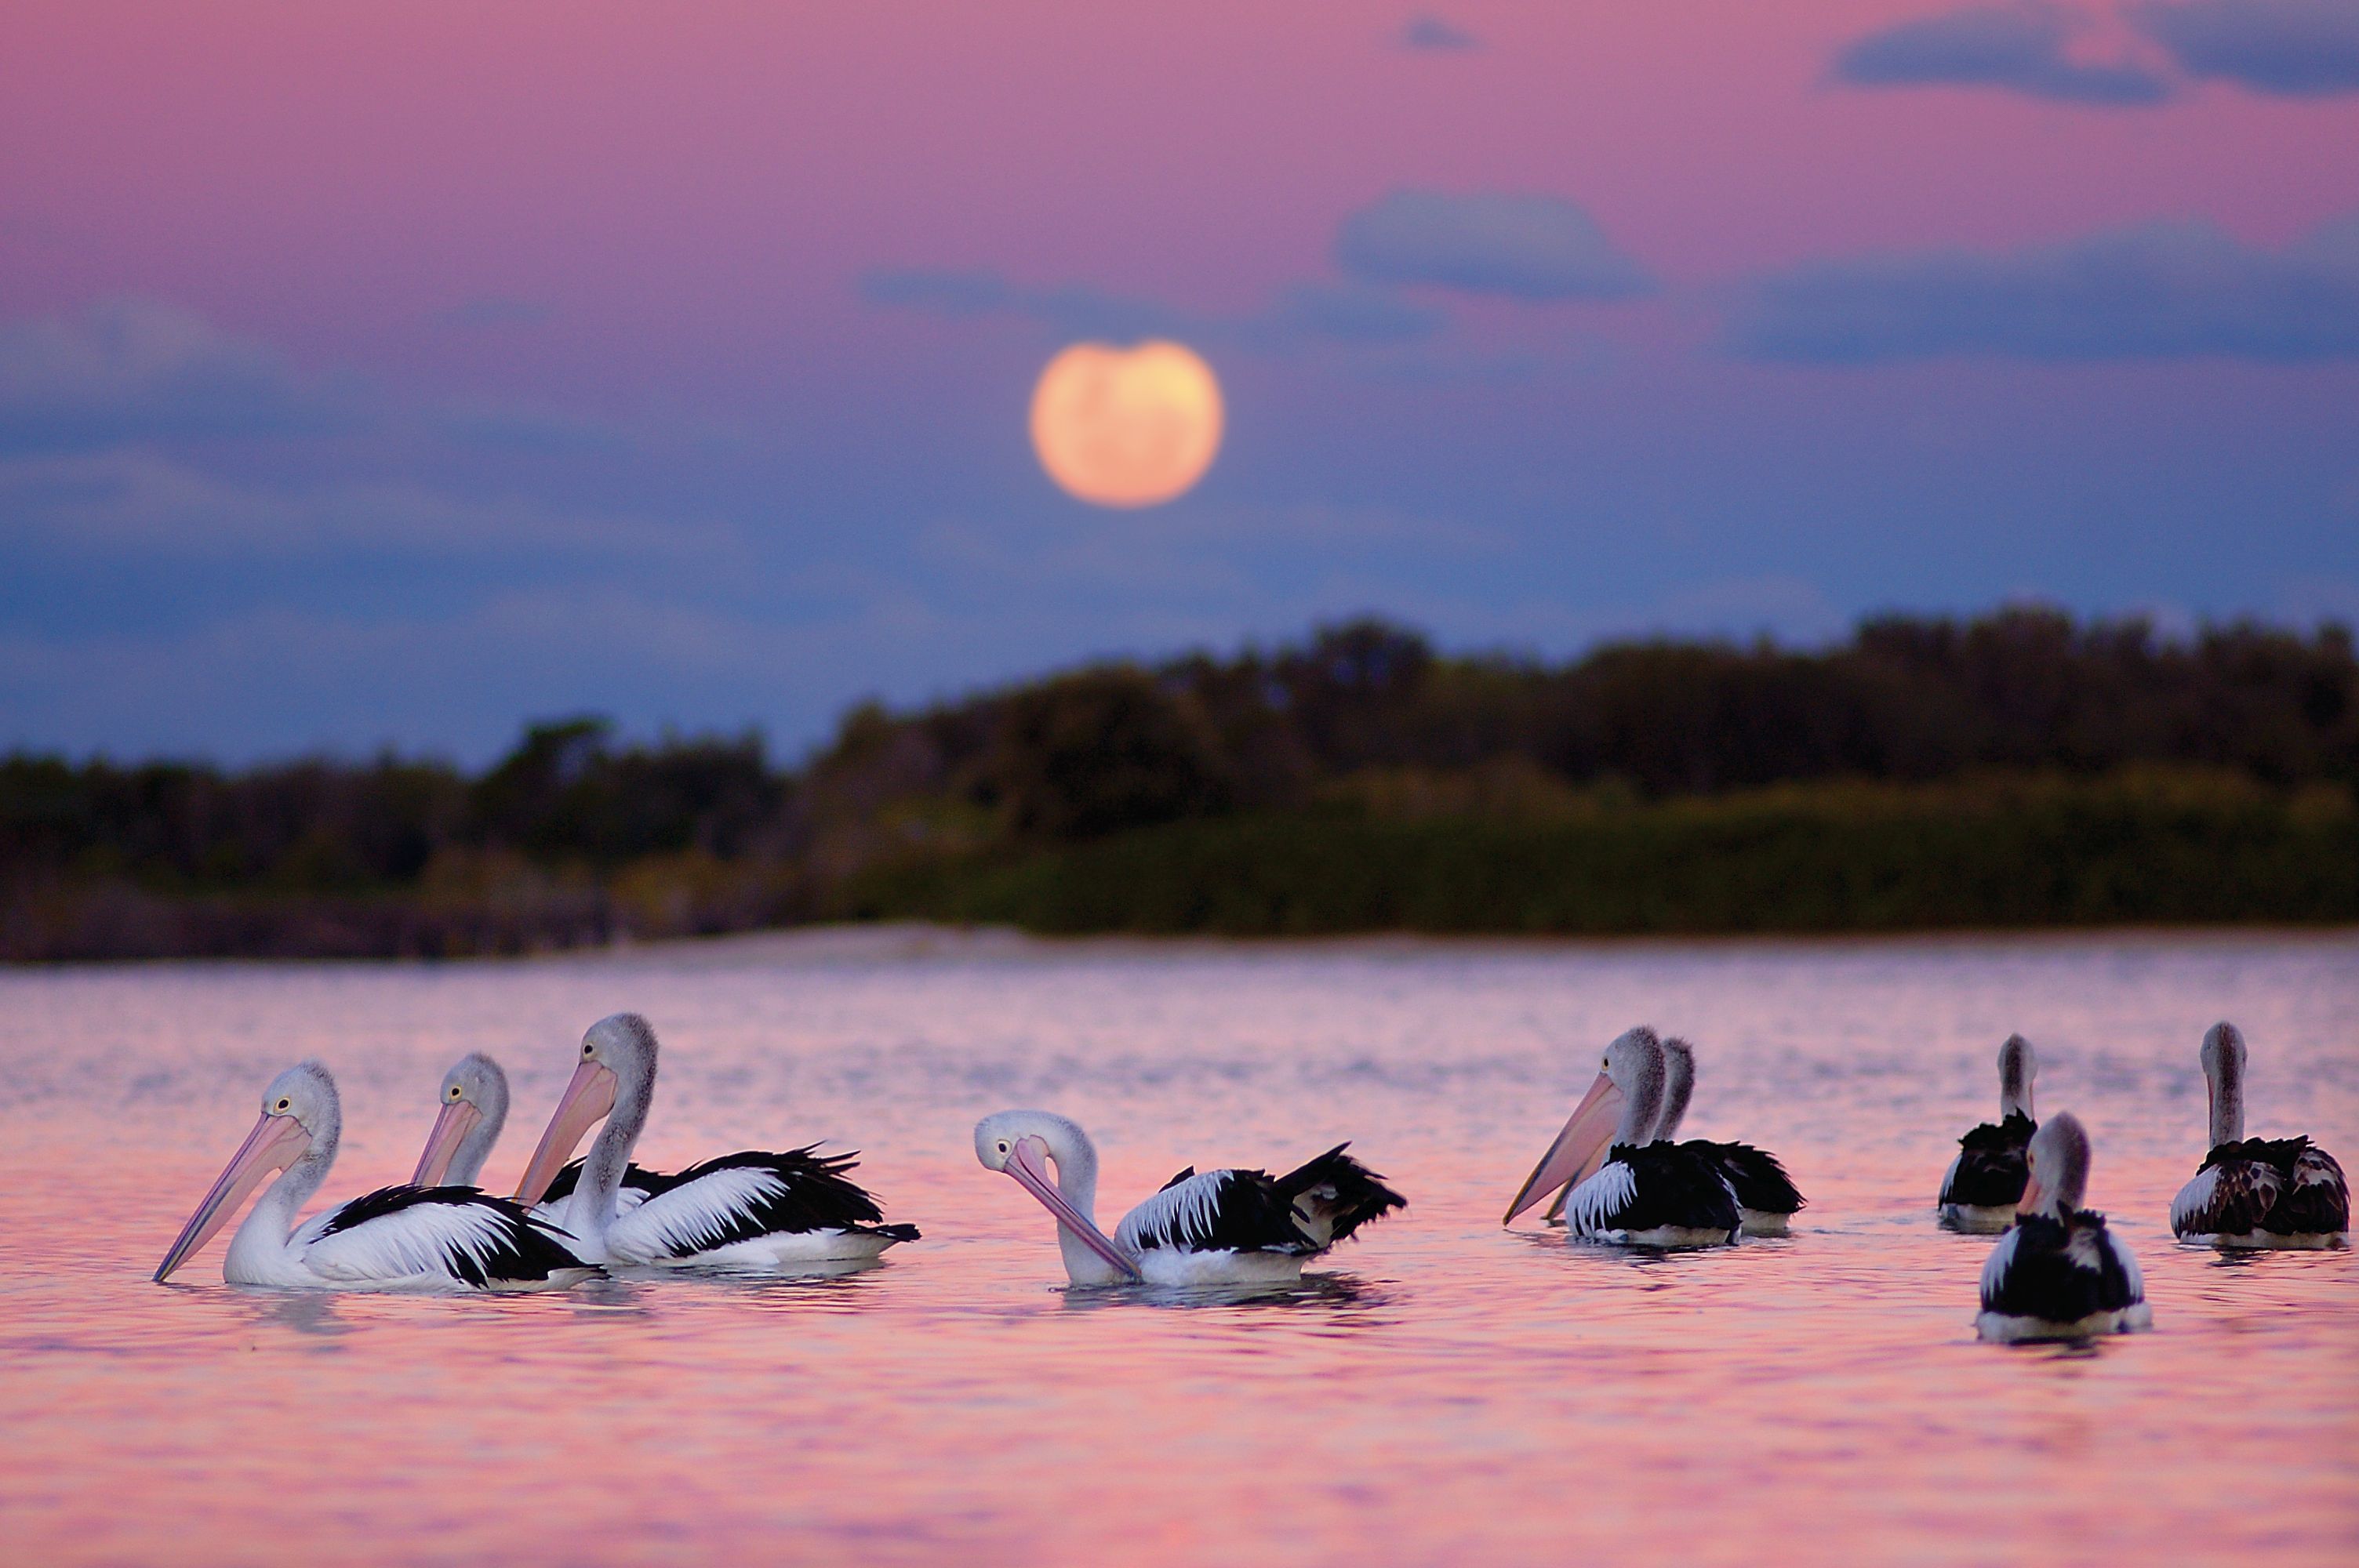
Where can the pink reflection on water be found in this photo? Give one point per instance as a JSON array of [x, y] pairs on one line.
[[1445, 1391]]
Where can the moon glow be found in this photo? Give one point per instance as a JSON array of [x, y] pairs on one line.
[[1126, 426]]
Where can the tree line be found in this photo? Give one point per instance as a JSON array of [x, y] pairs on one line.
[[577, 835]]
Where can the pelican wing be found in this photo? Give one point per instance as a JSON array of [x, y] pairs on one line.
[[457, 1233], [2060, 1270], [1219, 1211], [2231, 1195], [1990, 1170], [1602, 1201], [2317, 1201], [741, 1197]]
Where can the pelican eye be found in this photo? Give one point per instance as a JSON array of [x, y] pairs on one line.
[[454, 1091], [283, 1104], [589, 1050], [1003, 1145]]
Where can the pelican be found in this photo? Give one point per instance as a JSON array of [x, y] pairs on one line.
[[1219, 1228], [1645, 1193], [1986, 1180], [396, 1239], [2257, 1191], [2060, 1273], [474, 1108], [750, 1211]]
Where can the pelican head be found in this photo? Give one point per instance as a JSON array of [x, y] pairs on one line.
[[1022, 1145], [2018, 1065], [300, 1119], [2059, 1167], [616, 1066], [1622, 1106], [2224, 1078], [474, 1107]]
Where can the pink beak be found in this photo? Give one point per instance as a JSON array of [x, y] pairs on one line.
[[2035, 1196], [589, 1097], [1029, 1163], [1578, 1149], [276, 1143], [451, 1129]]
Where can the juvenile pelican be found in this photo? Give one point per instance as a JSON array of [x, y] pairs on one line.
[[2257, 1191], [398, 1239], [753, 1210], [2060, 1273], [1986, 1180], [1221, 1228], [1645, 1193]]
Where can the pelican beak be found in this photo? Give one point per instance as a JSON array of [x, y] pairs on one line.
[[451, 1128], [276, 1143], [1029, 1163], [1577, 1149], [588, 1097], [2035, 1196]]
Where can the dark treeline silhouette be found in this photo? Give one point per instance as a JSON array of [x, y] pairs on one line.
[[1362, 759]]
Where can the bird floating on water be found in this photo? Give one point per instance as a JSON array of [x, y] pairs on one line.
[[396, 1239], [1217, 1228], [1984, 1183], [753, 1211], [2257, 1191], [1626, 1187], [2060, 1273]]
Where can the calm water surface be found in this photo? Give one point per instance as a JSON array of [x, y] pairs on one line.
[[1444, 1392]]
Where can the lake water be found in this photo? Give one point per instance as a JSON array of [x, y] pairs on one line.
[[1441, 1391]]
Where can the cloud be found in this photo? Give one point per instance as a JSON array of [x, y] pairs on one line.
[[1429, 34], [2291, 48], [2159, 291], [1497, 242], [1312, 311], [2019, 48], [138, 502], [139, 370]]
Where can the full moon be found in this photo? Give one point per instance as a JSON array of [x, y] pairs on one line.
[[1126, 426]]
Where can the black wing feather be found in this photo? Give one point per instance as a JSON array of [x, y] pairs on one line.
[[1337, 1194], [2044, 1281], [527, 1248], [1760, 1182], [1992, 1167], [812, 1194], [1673, 1185]]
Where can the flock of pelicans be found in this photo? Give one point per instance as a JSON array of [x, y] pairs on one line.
[[1615, 1175]]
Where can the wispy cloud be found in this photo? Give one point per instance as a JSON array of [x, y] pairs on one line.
[[131, 501], [2157, 291], [1517, 245], [132, 369], [2295, 48], [1429, 33], [2022, 47]]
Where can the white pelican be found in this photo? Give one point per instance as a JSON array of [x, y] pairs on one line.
[[2257, 1191], [396, 1239], [1223, 1227], [1986, 1180], [1645, 1193], [2060, 1273], [753, 1210], [474, 1108]]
